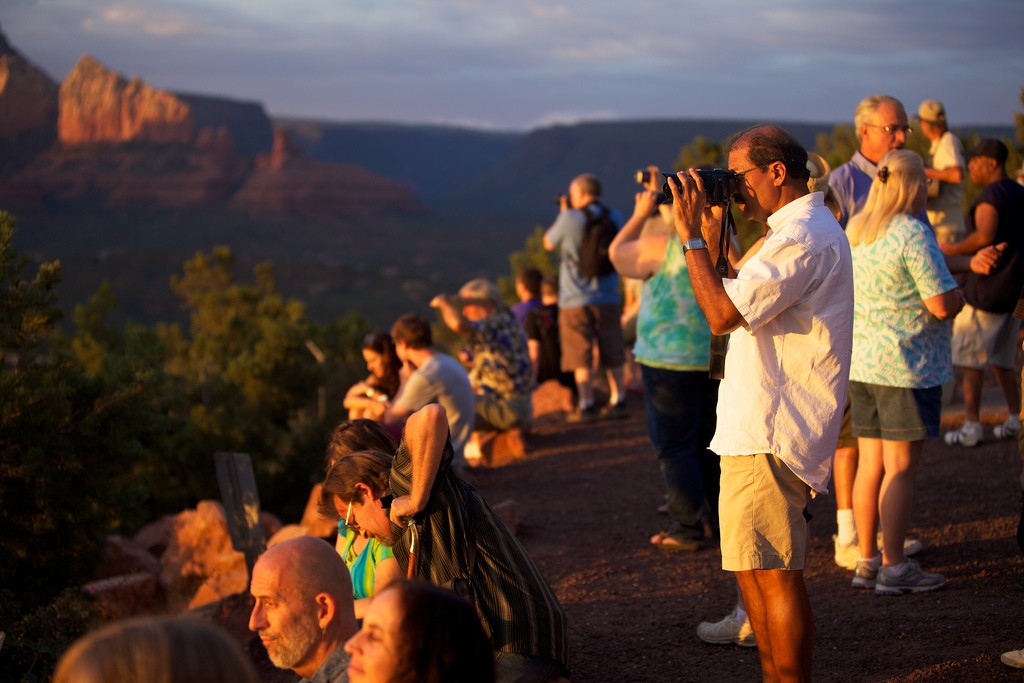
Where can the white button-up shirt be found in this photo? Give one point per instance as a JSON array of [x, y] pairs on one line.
[[787, 369]]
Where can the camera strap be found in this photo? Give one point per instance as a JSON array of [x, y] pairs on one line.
[[724, 238]]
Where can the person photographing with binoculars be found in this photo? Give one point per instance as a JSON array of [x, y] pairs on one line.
[[789, 314]]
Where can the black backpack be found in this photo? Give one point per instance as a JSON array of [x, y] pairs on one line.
[[598, 234]]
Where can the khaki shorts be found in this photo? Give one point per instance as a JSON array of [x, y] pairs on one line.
[[981, 339], [578, 327], [761, 513]]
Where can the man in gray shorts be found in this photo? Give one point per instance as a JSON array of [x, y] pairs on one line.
[[790, 314], [589, 308], [985, 331]]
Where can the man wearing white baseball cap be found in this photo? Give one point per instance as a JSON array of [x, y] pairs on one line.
[[944, 168]]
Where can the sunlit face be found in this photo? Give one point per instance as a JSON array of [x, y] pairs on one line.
[[978, 168], [474, 310], [885, 132], [374, 648], [577, 199], [368, 518], [286, 623], [374, 362], [753, 186]]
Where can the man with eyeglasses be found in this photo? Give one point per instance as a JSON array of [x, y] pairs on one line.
[[880, 124], [789, 314]]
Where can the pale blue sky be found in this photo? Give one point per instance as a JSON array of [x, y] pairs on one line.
[[519, 65]]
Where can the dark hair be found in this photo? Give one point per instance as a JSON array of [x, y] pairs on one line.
[[549, 286], [531, 279], [359, 452], [382, 344], [767, 144], [442, 640], [413, 331]]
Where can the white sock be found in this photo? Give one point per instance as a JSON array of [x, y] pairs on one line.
[[741, 614], [847, 528], [873, 562], [896, 569]]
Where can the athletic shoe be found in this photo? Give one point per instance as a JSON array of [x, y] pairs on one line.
[[1014, 658], [864, 576], [846, 556], [588, 414], [1008, 430], [615, 411], [728, 631], [910, 580], [911, 546], [970, 435]]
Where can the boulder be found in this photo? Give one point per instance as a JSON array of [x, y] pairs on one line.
[[495, 449], [155, 536], [551, 402], [127, 595], [219, 586], [199, 548], [315, 523], [287, 533], [121, 556]]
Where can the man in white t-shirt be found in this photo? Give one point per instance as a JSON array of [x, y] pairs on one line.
[[945, 170], [430, 376]]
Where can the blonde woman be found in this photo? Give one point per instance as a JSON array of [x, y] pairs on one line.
[[903, 292], [155, 650]]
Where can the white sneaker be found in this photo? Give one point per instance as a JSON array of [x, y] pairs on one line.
[[1014, 658], [911, 546], [1008, 430], [729, 631], [970, 435]]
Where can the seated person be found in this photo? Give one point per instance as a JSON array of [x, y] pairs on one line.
[[430, 377], [146, 649], [371, 564], [542, 339], [457, 541], [501, 373], [528, 291], [371, 397], [303, 608], [415, 631]]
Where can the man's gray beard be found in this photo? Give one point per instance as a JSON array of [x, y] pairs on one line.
[[291, 648]]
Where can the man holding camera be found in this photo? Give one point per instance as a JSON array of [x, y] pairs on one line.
[[790, 314], [590, 308]]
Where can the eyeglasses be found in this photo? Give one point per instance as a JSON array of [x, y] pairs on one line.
[[892, 130], [350, 523], [760, 167]]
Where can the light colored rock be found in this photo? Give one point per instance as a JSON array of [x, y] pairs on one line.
[[199, 548], [287, 533], [315, 523], [220, 586], [495, 449]]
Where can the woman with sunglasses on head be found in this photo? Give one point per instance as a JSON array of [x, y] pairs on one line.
[[415, 632], [371, 563], [370, 398], [903, 293]]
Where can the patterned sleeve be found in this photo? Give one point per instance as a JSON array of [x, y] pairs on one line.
[[924, 261]]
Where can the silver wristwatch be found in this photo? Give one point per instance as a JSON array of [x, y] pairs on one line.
[[694, 243]]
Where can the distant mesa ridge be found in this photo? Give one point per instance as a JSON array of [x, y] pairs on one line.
[[116, 142]]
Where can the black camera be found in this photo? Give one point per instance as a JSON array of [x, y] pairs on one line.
[[643, 177], [719, 185], [559, 198]]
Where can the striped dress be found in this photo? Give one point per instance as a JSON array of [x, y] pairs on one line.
[[461, 538]]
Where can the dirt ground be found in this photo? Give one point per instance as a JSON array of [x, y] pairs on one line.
[[587, 498]]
